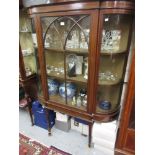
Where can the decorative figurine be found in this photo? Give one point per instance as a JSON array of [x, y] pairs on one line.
[[84, 101], [74, 101], [28, 71], [34, 38], [86, 68], [79, 65], [83, 94], [71, 62], [71, 69], [78, 101], [83, 43]]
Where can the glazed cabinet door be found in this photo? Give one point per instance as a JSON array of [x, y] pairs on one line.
[[114, 42], [65, 58], [27, 47]]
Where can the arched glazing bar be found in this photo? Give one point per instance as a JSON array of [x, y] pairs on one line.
[[76, 24], [55, 30]]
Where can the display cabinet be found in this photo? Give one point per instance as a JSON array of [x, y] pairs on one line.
[[83, 49], [27, 56]]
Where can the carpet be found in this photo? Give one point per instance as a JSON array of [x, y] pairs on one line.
[[27, 146]]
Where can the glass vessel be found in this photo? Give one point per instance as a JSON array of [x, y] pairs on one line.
[[66, 47]]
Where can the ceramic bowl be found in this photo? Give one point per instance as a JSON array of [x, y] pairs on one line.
[[105, 105]]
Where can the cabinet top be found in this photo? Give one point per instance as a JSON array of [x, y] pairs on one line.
[[71, 5]]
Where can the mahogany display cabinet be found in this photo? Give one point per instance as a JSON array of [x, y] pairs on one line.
[[27, 56], [82, 54]]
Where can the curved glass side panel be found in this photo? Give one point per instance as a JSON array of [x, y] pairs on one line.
[[113, 53]]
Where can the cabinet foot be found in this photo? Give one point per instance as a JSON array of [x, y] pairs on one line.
[[30, 113], [49, 133], [48, 121], [90, 135]]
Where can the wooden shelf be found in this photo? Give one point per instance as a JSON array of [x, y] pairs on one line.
[[77, 51], [69, 102], [25, 32], [110, 82], [57, 98], [78, 78], [113, 53], [102, 111], [32, 54], [53, 75], [54, 50]]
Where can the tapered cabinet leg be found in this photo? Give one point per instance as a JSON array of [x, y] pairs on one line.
[[90, 134], [48, 121], [30, 113]]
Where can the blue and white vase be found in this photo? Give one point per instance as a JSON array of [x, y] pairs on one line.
[[71, 90], [53, 86]]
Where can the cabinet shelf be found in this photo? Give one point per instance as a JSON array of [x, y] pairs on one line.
[[78, 78], [77, 51], [53, 50], [25, 32], [57, 98], [113, 109], [110, 83], [54, 75], [69, 103], [60, 100], [114, 53], [28, 55]]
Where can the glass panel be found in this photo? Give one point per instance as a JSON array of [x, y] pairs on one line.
[[113, 52], [115, 33], [108, 98], [53, 36], [76, 94], [66, 47], [77, 49], [26, 43], [111, 69]]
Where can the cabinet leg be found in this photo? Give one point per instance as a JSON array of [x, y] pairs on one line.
[[48, 121], [90, 134], [30, 113]]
